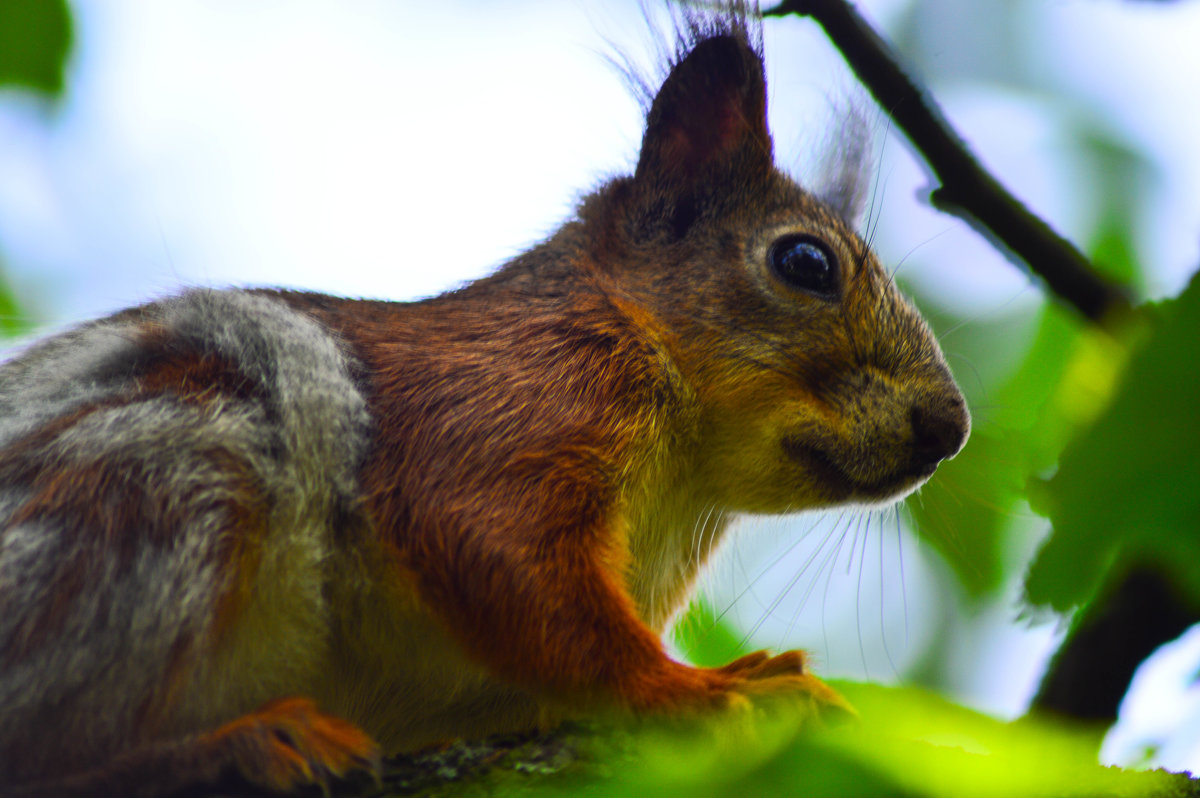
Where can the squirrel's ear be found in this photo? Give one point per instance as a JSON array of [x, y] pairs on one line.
[[711, 108]]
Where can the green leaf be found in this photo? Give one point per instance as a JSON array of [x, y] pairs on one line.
[[13, 320], [929, 746], [1129, 489], [35, 37]]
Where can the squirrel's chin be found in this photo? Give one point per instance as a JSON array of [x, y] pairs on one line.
[[840, 487], [888, 493]]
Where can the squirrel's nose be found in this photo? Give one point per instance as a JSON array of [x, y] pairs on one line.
[[940, 429]]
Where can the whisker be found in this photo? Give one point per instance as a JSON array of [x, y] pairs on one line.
[[769, 610], [828, 582], [988, 314], [816, 577], [903, 582], [749, 584], [914, 250], [887, 651], [873, 217], [703, 527], [854, 545], [858, 598]]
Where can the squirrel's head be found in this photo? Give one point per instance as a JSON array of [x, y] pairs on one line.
[[816, 382]]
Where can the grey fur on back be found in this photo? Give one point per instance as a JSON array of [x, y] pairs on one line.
[[85, 673]]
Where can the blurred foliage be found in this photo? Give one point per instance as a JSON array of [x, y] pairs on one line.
[[35, 38], [966, 511], [14, 320], [1129, 488], [1113, 421], [35, 41], [1086, 402], [907, 743]]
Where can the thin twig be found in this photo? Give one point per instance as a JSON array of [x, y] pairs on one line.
[[967, 189]]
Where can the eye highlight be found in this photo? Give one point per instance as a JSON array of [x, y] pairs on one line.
[[805, 263]]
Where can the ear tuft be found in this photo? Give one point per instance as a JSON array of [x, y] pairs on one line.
[[846, 163]]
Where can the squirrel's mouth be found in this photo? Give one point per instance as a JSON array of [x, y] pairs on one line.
[[841, 486]]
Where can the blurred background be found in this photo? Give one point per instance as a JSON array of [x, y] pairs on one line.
[[396, 149]]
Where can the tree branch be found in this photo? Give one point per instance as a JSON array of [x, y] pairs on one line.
[[967, 190], [1092, 670]]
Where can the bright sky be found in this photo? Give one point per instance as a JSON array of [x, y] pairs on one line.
[[376, 148], [395, 149]]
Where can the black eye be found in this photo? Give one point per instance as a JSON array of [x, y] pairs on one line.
[[805, 263]]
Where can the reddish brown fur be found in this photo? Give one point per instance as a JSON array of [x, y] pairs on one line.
[[529, 531]]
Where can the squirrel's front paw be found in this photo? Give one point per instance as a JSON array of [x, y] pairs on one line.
[[784, 679], [761, 665], [816, 702], [289, 743], [755, 681]]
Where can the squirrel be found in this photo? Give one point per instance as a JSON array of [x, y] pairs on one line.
[[269, 535]]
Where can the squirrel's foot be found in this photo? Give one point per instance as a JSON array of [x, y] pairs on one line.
[[760, 680], [784, 678], [761, 665], [288, 743], [816, 702], [762, 676]]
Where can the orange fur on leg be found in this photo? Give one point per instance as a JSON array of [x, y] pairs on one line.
[[288, 743]]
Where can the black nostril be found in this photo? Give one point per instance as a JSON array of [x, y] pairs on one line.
[[939, 430]]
